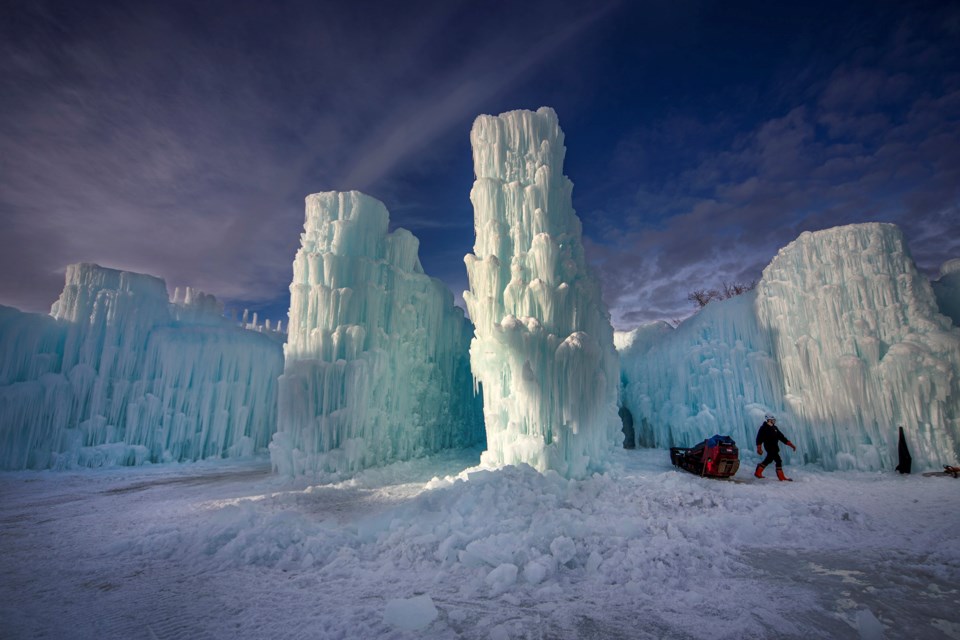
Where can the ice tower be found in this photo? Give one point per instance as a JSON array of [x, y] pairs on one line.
[[376, 365], [543, 346]]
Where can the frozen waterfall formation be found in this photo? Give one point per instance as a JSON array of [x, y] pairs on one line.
[[119, 374], [842, 338], [376, 363], [543, 346]]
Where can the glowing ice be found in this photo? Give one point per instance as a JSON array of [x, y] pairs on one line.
[[119, 374], [376, 355], [543, 349], [842, 339], [857, 333]]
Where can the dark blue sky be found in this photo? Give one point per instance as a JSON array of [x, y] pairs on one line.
[[180, 138]]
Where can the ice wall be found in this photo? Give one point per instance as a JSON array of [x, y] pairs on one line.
[[543, 346], [376, 364], [712, 374], [841, 339], [118, 374], [947, 290], [862, 347]]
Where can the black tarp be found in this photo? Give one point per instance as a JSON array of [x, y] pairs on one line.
[[904, 453]]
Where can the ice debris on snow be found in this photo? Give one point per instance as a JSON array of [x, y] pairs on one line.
[[690, 558], [120, 374], [410, 614], [543, 346], [842, 340], [502, 578], [376, 363]]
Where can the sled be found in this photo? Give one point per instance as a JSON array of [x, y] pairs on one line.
[[716, 457], [953, 472]]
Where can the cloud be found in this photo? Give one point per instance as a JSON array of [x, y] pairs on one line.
[[488, 71], [836, 161], [181, 142]]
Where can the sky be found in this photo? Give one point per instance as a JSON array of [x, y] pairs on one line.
[[180, 138]]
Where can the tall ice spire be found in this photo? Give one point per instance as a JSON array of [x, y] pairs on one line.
[[543, 346]]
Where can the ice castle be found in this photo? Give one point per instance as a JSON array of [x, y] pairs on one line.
[[843, 339]]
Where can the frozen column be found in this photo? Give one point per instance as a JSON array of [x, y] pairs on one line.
[[376, 360], [543, 346]]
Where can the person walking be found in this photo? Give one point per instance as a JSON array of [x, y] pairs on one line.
[[769, 438]]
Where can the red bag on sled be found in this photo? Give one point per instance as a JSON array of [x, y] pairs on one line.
[[716, 457]]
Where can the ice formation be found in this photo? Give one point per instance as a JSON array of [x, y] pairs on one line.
[[376, 362], [862, 346], [842, 339], [119, 374], [712, 374], [543, 346], [947, 290]]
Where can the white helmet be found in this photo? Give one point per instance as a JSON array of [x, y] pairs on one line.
[[769, 417]]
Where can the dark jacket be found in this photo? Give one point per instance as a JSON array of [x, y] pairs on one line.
[[770, 437]]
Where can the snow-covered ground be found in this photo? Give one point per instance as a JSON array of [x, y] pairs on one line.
[[431, 549]]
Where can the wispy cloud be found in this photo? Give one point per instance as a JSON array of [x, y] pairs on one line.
[[181, 142], [879, 141], [180, 139], [492, 69]]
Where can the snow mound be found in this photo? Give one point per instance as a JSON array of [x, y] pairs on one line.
[[510, 551], [411, 614]]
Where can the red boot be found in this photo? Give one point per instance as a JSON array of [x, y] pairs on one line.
[[782, 477], [759, 472]]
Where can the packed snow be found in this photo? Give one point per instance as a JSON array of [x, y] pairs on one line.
[[842, 340], [543, 345], [376, 360], [439, 548], [120, 374]]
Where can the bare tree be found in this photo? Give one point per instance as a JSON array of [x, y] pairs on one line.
[[702, 297]]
